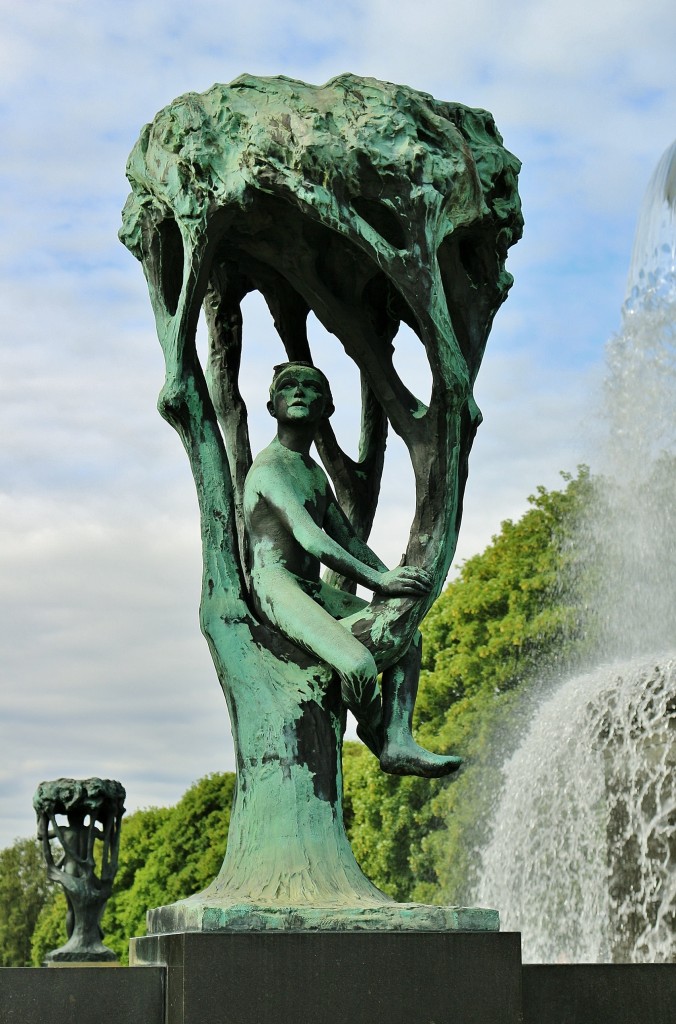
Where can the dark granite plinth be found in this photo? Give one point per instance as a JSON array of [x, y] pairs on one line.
[[331, 978], [81, 995], [599, 994]]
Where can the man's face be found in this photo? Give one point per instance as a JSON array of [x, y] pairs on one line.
[[299, 396]]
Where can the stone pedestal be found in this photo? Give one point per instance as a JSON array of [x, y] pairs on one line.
[[599, 993], [81, 995], [337, 977]]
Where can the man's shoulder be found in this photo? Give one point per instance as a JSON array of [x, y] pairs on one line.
[[262, 466], [267, 468], [272, 466]]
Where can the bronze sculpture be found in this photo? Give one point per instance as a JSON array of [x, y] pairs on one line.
[[93, 810], [370, 204]]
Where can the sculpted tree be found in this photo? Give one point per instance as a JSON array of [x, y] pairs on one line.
[[369, 204], [88, 838]]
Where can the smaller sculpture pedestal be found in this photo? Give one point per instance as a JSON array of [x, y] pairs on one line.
[[354, 977]]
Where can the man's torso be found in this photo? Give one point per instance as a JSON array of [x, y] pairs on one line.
[[282, 477]]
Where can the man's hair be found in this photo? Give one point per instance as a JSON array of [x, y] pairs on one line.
[[281, 368]]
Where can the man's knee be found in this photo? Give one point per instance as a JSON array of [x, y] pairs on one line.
[[362, 668], [358, 673], [406, 653]]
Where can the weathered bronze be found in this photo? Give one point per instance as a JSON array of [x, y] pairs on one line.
[[369, 204], [89, 840]]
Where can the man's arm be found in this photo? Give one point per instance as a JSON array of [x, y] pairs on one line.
[[338, 526], [282, 505]]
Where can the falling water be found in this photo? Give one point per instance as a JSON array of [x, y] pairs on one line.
[[582, 858], [652, 273]]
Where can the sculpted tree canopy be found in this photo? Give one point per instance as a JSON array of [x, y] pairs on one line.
[[369, 204]]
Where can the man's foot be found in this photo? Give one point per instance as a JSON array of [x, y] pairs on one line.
[[411, 759]]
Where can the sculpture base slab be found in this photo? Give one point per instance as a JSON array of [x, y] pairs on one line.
[[336, 977], [81, 963], [64, 956], [198, 915]]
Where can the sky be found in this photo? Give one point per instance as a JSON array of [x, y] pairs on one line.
[[103, 670]]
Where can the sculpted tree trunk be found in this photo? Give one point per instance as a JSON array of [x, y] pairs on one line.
[[369, 204]]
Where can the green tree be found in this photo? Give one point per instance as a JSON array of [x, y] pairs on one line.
[[190, 846], [515, 615], [516, 608], [50, 928], [385, 815], [142, 836], [482, 728], [24, 890]]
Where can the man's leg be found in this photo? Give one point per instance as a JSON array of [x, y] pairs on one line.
[[314, 624], [386, 730], [359, 689], [399, 662], [401, 755]]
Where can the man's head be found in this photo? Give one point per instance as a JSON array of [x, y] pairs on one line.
[[296, 390]]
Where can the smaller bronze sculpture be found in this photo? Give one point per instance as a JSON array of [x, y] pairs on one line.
[[93, 809]]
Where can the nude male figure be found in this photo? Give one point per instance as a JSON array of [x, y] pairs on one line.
[[294, 524]]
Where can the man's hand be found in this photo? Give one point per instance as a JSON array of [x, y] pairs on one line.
[[404, 581]]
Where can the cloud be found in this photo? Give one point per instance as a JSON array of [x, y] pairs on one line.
[[104, 670]]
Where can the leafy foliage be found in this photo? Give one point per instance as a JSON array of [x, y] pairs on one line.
[[182, 857], [386, 817], [24, 890], [515, 615], [50, 927], [514, 607]]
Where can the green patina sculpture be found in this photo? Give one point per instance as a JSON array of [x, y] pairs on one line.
[[93, 809], [369, 204]]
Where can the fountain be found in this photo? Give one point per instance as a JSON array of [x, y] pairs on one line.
[[582, 858]]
